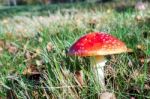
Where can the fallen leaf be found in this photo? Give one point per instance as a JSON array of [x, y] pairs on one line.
[[11, 48], [141, 47], [147, 60], [32, 73], [38, 51], [31, 70], [35, 94], [107, 95], [138, 18], [49, 46], [2, 43], [28, 55]]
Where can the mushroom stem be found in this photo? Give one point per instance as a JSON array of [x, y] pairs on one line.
[[99, 62]]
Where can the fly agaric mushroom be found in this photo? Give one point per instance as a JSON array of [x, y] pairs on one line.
[[97, 45]]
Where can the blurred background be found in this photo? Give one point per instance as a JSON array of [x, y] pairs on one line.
[[32, 2]]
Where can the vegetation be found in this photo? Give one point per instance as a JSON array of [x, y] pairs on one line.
[[34, 41]]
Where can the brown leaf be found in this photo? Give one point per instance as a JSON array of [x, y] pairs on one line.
[[107, 95], [7, 45], [31, 55], [35, 94], [11, 48], [49, 46], [141, 47], [32, 72], [147, 60], [139, 18], [38, 51], [28, 55], [2, 43]]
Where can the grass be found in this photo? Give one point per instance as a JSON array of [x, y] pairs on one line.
[[31, 28]]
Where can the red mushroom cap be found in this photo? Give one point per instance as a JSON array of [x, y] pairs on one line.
[[97, 43]]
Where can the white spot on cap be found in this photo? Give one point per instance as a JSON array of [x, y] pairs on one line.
[[82, 44], [89, 41], [107, 41]]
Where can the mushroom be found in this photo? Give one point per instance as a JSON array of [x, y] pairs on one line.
[[96, 45]]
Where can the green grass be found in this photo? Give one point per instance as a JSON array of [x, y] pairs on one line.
[[62, 25]]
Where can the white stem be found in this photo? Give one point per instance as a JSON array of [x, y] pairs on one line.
[[99, 62]]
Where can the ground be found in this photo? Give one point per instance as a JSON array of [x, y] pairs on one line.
[[34, 41]]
